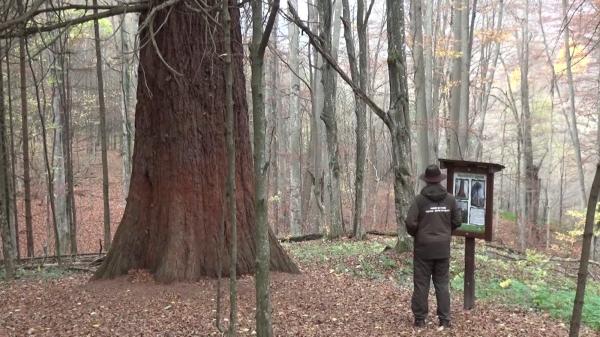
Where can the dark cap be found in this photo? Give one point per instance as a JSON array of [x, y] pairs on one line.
[[432, 175]]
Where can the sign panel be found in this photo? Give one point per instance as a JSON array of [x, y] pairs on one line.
[[470, 193]]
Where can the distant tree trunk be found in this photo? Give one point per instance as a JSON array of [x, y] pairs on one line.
[[103, 144], [295, 132], [329, 118], [487, 78], [530, 181], [399, 122], [465, 71], [7, 240], [45, 154], [68, 152], [596, 248], [59, 174], [454, 150], [313, 181], [126, 102], [585, 255], [25, 141], [13, 212], [176, 195], [358, 76], [572, 113], [422, 120], [428, 58]]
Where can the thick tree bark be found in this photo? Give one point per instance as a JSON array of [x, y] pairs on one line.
[[171, 221], [295, 132], [572, 113], [328, 76], [25, 141], [103, 144]]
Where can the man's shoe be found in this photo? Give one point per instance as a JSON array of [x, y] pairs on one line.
[[445, 323], [419, 323]]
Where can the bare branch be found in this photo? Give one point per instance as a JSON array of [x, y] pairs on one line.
[[316, 42]]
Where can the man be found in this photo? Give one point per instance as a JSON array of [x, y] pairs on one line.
[[432, 217]]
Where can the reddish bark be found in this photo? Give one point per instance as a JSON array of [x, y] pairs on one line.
[[171, 221]]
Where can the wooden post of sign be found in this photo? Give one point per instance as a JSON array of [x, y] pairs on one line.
[[469, 289]]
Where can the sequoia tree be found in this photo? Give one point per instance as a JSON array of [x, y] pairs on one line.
[[175, 202]]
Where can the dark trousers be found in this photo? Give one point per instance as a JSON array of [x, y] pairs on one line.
[[424, 270]]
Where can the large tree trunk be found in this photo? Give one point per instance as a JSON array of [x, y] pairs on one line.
[[454, 151], [295, 133], [171, 220]]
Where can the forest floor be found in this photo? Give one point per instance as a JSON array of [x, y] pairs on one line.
[[346, 288]]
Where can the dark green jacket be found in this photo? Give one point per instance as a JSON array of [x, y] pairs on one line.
[[432, 217]]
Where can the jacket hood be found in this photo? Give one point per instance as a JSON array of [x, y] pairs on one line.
[[434, 192]]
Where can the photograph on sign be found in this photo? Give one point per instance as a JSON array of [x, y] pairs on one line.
[[470, 194]]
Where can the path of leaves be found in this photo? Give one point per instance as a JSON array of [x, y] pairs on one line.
[[318, 302]]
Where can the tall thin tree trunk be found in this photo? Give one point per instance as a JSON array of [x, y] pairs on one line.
[[25, 142], [257, 51], [231, 183], [48, 165], [454, 150], [359, 74], [68, 151], [582, 274], [59, 151], [329, 118], [126, 102], [572, 112], [421, 93], [529, 170], [463, 119], [295, 132], [7, 240], [399, 121], [102, 114], [14, 213]]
